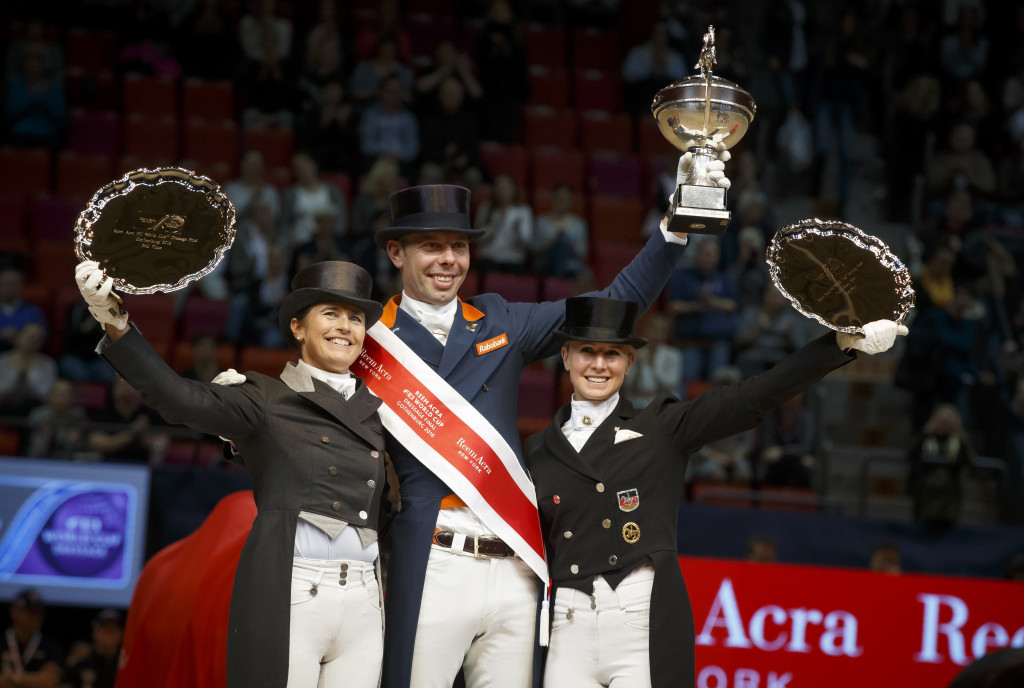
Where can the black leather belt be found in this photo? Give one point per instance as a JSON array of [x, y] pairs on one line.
[[477, 546]]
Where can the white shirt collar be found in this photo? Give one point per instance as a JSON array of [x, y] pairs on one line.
[[584, 411], [341, 382], [437, 319]]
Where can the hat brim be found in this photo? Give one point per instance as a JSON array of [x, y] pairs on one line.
[[383, 236], [635, 342], [300, 299]]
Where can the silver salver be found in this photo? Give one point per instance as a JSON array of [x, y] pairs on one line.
[[156, 230], [835, 273]]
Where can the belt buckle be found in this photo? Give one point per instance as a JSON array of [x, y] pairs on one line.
[[476, 547]]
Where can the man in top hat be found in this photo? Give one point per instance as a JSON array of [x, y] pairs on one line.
[[27, 657], [305, 604], [609, 480], [459, 597]]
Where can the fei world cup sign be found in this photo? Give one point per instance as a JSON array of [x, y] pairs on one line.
[[777, 626]]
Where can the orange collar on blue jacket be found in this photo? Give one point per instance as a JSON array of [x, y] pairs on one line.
[[469, 312]]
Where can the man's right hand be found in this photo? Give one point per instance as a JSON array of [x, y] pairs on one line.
[[104, 304]]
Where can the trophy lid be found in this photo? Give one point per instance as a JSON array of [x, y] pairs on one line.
[[156, 230]]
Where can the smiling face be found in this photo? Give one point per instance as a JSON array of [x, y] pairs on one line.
[[330, 336], [596, 369], [433, 264]]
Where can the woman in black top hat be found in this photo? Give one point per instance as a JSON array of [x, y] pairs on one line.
[[305, 606], [609, 479]]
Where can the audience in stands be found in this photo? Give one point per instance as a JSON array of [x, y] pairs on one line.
[[137, 438], [370, 77], [500, 57], [509, 242], [451, 140], [726, 460], [449, 63], [389, 128], [29, 654], [886, 558], [15, 311], [330, 128], [787, 437], [55, 430], [768, 332], [762, 549], [251, 188], [325, 44], [308, 196], [325, 244], [658, 367], [78, 360], [204, 359], [34, 106], [98, 667], [938, 461], [26, 374], [649, 67], [562, 242]]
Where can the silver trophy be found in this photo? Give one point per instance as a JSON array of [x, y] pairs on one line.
[[156, 230], [696, 114]]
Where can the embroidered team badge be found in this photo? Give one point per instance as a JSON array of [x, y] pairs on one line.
[[628, 499]]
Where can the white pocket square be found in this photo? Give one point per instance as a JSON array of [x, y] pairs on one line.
[[623, 435]]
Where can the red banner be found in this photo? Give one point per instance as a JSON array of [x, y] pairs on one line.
[[781, 626]]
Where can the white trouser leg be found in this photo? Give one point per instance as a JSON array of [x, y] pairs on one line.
[[602, 639], [478, 613], [336, 634]]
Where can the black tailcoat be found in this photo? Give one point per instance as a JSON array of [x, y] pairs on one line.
[[591, 500]]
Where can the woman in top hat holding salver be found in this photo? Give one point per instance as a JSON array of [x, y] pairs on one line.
[[306, 605], [609, 480]]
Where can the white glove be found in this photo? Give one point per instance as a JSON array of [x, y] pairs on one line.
[[878, 336], [716, 167], [229, 377], [104, 304]]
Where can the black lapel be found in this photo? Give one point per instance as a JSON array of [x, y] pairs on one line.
[[557, 444], [460, 340], [351, 412]]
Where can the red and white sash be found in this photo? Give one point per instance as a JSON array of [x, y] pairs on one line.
[[454, 440]]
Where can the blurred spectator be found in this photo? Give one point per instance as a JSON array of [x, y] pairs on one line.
[[451, 140], [762, 548], [325, 44], [15, 312], [915, 116], [29, 658], [389, 128], [935, 284], [704, 300], [387, 21], [937, 462], [507, 245], [26, 374], [649, 67], [787, 445], [369, 78], [964, 54], [247, 259], [838, 98], [263, 35], [749, 269], [885, 558], [98, 669], [562, 244], [449, 63], [253, 320], [34, 109], [78, 360], [374, 196], [767, 332], [500, 58], [207, 43], [325, 244], [252, 188], [55, 431], [726, 460], [204, 359], [658, 367], [308, 196], [1015, 569], [266, 41], [1011, 185], [33, 44], [961, 167], [331, 129], [784, 42], [143, 36], [138, 440], [974, 107]]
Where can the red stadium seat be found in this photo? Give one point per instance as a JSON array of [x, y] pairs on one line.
[[604, 131], [545, 45], [153, 139], [154, 314], [595, 49], [545, 126], [614, 175], [552, 167], [83, 175], [94, 133], [25, 171], [339, 180], [557, 288], [428, 30], [650, 142], [597, 90], [277, 145], [270, 362], [147, 95], [202, 316], [91, 50], [212, 141], [183, 356], [53, 262], [538, 399], [543, 201], [54, 217], [549, 86], [471, 285], [616, 219], [514, 288], [211, 100], [609, 257], [281, 177], [92, 396], [13, 211], [506, 159]]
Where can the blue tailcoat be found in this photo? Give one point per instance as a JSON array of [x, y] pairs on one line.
[[489, 381]]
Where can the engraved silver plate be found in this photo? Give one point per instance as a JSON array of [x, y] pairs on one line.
[[156, 230], [835, 273]]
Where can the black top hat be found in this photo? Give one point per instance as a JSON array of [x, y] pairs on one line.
[[329, 281], [593, 319], [431, 208]]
